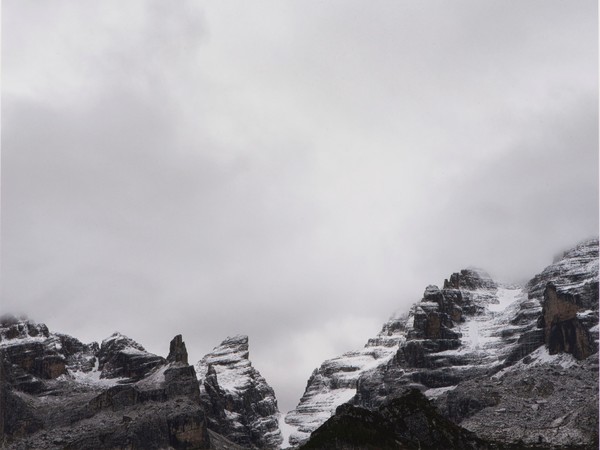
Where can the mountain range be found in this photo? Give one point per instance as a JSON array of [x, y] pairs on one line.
[[473, 364]]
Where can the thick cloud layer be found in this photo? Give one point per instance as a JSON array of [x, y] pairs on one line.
[[293, 171]]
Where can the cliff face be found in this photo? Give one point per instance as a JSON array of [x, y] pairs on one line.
[[60, 393], [548, 394], [509, 363], [416, 348], [241, 405], [57, 392], [335, 381]]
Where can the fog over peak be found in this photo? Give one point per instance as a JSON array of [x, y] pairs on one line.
[[290, 172]]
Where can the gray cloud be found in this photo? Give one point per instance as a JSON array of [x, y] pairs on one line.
[[294, 173]]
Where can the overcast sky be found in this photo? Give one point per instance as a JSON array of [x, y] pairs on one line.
[[292, 170]]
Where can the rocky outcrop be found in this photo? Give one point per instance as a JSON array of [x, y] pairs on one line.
[[411, 422], [453, 334], [240, 404], [335, 381], [563, 331], [29, 353], [407, 422], [177, 351], [545, 399], [576, 272], [122, 357], [421, 348]]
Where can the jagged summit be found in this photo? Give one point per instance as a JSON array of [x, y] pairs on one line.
[[465, 293], [13, 329], [469, 346], [470, 278], [122, 357], [517, 365], [177, 351], [576, 271], [243, 406], [65, 394]]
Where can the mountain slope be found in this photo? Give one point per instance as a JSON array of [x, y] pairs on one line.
[[60, 393], [469, 346], [334, 383], [241, 405]]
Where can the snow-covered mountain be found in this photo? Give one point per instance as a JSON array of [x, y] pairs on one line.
[[56, 392], [334, 383], [467, 345], [241, 405], [506, 367]]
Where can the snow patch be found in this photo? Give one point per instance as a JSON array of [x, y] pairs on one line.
[[436, 392], [539, 357], [155, 379], [92, 378], [286, 430], [22, 340], [506, 297]]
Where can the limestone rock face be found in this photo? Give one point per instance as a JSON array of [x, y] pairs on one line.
[[144, 406], [122, 357], [563, 330], [479, 350], [30, 353], [335, 381], [177, 351], [414, 349], [241, 405], [576, 272], [445, 338]]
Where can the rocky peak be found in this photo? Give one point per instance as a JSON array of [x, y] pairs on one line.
[[177, 351], [576, 272], [412, 341], [242, 405], [122, 357], [232, 350], [470, 279], [14, 328], [31, 354]]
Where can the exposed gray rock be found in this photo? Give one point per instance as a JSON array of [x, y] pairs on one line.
[[467, 346], [335, 381], [407, 422], [563, 331], [122, 357], [177, 350], [82, 410], [553, 403], [30, 354], [240, 404]]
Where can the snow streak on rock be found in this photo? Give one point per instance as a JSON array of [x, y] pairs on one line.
[[334, 383], [244, 408], [470, 334]]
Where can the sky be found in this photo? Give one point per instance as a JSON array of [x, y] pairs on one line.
[[297, 171]]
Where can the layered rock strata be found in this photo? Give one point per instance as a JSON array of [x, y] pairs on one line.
[[115, 395], [239, 402], [124, 398], [469, 345]]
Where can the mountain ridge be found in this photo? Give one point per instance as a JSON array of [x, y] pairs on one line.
[[471, 329], [503, 363]]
